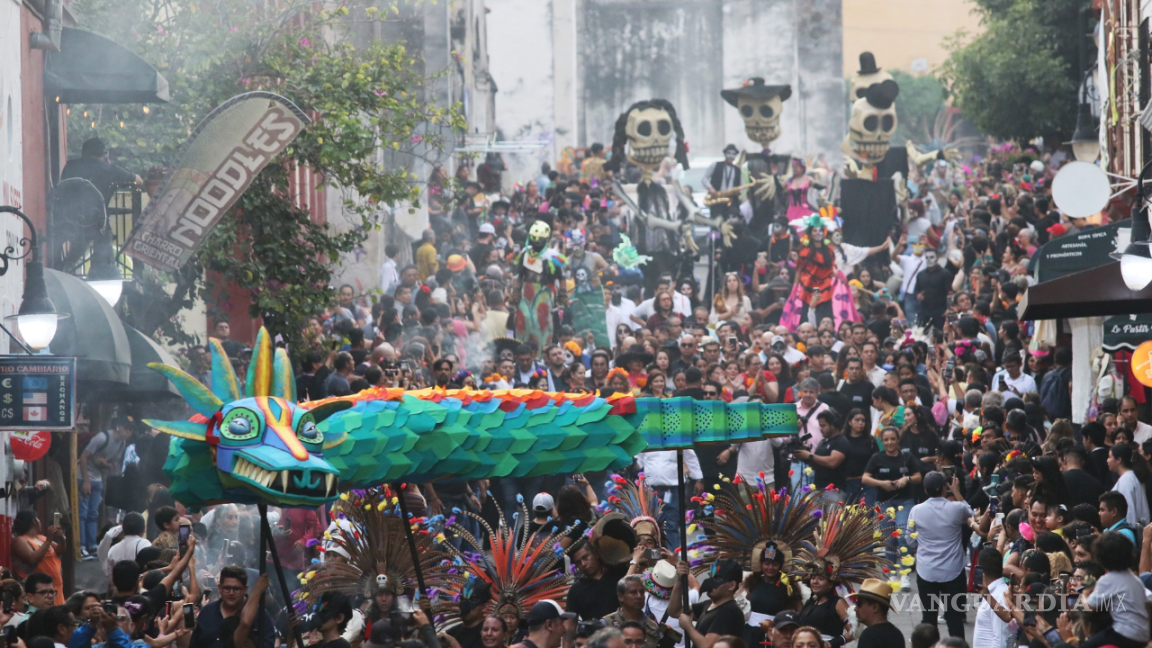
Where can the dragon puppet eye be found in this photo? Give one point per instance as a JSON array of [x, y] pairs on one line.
[[306, 430], [240, 424]]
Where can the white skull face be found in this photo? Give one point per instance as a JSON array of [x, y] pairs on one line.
[[581, 275], [837, 237], [870, 131], [858, 84], [649, 131], [761, 118]]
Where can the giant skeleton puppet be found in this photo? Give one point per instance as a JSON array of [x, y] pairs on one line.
[[874, 191], [538, 268], [760, 107], [643, 136]]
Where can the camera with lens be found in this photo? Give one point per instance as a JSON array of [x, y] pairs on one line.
[[797, 443]]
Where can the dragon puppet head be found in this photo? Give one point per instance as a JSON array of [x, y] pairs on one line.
[[265, 447]]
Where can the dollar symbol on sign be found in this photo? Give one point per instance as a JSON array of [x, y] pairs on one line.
[[7, 398]]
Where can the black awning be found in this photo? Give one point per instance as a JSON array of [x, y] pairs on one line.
[[144, 383], [93, 334], [90, 68], [1099, 292]]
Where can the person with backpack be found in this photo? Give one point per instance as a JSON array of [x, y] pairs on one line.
[[1056, 387], [101, 458]]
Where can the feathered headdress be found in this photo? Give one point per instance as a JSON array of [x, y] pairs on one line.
[[522, 570], [751, 523], [370, 532], [637, 502], [848, 545]]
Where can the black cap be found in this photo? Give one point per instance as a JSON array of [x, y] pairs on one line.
[[330, 605], [784, 619], [731, 148], [727, 571], [547, 610], [934, 482]]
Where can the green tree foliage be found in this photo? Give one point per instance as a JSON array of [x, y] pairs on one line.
[[1018, 80], [921, 99], [368, 109]]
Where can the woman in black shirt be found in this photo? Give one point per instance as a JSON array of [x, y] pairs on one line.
[[765, 592], [827, 459], [892, 474], [825, 610], [861, 447]]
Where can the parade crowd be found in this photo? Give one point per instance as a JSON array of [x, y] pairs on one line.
[[925, 399]]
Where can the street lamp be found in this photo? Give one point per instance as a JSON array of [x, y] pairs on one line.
[[103, 273], [37, 317], [1085, 140], [1136, 260]]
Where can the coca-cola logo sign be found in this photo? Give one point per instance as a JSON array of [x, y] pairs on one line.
[[30, 446]]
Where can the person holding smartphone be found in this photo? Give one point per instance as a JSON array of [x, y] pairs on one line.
[[940, 557]]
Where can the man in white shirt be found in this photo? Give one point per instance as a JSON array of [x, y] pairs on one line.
[[1140, 430], [753, 459], [1014, 382], [389, 276], [647, 308], [659, 470], [619, 309], [779, 345], [130, 545], [874, 372], [991, 630], [807, 408], [912, 265]]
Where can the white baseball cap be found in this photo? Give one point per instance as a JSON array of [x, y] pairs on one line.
[[542, 503], [487, 228]]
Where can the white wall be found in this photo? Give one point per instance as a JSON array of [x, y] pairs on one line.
[[520, 56], [685, 51], [11, 184]]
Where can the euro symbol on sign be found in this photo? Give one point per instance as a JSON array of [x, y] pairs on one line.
[[7, 382]]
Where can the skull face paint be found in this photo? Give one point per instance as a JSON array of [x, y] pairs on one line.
[[872, 124], [761, 118]]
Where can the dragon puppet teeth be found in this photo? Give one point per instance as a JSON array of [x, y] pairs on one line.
[[329, 481]]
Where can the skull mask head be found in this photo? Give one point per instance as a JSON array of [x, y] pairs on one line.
[[867, 76], [761, 118], [643, 134], [872, 123], [539, 234], [760, 107]]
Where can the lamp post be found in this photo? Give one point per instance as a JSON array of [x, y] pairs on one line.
[[37, 317], [103, 273], [1136, 260], [1086, 138]]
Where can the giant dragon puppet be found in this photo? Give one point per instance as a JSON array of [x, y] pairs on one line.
[[260, 445]]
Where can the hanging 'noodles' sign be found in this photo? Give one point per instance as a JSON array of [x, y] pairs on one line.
[[218, 163]]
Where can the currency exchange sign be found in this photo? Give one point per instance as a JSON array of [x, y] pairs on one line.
[[37, 393]]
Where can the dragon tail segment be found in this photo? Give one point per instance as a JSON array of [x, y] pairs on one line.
[[464, 434]]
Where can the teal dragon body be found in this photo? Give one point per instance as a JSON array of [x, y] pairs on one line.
[[263, 446]]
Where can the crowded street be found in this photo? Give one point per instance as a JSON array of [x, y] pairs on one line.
[[583, 324]]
